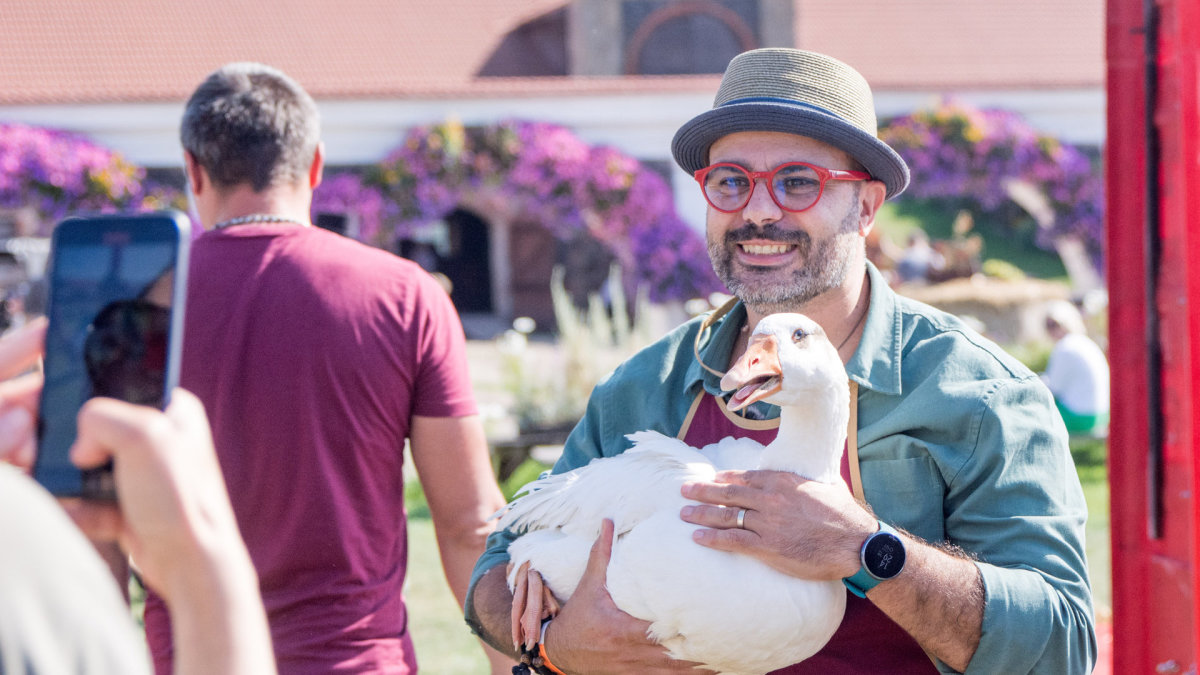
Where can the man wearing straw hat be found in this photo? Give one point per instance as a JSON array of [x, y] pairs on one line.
[[956, 447]]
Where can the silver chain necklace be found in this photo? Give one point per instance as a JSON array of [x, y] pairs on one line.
[[257, 218]]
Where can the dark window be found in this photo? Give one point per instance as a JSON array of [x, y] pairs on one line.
[[690, 37], [467, 265]]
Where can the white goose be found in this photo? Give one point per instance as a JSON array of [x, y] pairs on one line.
[[732, 613]]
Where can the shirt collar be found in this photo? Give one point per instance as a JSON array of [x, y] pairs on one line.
[[875, 364]]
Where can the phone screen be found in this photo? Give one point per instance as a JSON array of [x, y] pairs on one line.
[[112, 332]]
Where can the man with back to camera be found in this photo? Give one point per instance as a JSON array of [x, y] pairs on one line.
[[956, 449], [317, 357]]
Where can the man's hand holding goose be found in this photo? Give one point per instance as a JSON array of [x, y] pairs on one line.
[[790, 522]]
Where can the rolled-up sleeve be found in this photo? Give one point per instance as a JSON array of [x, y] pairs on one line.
[[1017, 504]]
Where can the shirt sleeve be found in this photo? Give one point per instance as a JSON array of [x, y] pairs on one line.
[[443, 387], [1018, 505]]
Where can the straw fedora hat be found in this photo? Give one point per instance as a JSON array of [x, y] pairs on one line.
[[796, 92]]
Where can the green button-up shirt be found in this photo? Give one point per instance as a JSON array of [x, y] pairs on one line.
[[958, 442]]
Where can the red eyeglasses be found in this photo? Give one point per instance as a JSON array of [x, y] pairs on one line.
[[795, 186]]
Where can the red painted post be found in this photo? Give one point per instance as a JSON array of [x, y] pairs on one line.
[[1155, 519], [1125, 211]]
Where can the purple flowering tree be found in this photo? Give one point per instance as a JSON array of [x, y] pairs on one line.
[[545, 173], [990, 160], [346, 193], [57, 173]]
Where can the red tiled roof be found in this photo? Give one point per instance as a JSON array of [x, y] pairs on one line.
[[145, 50], [73, 51], [960, 43]]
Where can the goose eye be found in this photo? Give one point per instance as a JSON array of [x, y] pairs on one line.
[[799, 335]]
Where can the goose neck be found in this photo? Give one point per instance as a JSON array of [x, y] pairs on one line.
[[810, 441]]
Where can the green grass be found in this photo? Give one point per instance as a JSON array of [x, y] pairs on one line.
[[525, 473], [444, 643], [1010, 243], [1091, 462]]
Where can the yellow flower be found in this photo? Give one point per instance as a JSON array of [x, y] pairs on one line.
[[455, 136]]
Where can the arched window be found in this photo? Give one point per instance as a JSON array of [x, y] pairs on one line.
[[689, 37]]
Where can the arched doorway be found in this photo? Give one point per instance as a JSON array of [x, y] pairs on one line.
[[498, 202], [466, 263], [533, 252]]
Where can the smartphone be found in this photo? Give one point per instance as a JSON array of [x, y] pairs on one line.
[[116, 288]]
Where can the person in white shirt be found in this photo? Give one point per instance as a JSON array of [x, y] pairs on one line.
[[1077, 372]]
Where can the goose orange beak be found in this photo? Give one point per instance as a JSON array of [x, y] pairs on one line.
[[756, 375]]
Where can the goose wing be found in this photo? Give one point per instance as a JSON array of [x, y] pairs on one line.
[[627, 488]]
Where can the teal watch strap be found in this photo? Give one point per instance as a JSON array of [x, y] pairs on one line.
[[881, 558], [861, 582]]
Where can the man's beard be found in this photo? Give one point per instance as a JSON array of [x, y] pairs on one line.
[[825, 264]]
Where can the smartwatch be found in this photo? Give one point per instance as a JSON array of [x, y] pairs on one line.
[[882, 557]]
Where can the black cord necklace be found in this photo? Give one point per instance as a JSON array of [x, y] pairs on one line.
[[861, 318]]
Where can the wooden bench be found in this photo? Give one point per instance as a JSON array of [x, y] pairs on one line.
[[509, 454]]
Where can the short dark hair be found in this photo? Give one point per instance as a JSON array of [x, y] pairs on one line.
[[250, 123]]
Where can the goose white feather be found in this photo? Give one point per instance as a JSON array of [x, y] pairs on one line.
[[732, 613]]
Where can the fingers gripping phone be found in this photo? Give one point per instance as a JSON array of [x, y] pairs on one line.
[[116, 294]]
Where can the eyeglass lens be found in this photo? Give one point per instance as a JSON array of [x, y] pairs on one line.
[[795, 187]]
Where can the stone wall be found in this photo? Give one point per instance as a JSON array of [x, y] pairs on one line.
[[1011, 312]]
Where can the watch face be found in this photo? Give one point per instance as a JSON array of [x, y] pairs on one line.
[[883, 556]]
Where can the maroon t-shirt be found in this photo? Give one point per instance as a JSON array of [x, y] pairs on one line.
[[311, 353], [867, 641]]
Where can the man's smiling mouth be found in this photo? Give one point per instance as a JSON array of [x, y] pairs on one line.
[[766, 249]]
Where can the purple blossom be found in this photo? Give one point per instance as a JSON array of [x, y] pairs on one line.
[[960, 153], [59, 173], [533, 170], [345, 193], [544, 172]]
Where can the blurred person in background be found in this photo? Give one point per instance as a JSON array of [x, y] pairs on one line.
[[1077, 372]]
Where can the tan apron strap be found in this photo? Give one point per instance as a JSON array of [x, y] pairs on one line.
[[852, 445], [704, 326], [855, 472], [687, 421]]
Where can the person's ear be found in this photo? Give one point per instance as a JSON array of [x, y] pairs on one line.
[[317, 171], [194, 172], [870, 199]]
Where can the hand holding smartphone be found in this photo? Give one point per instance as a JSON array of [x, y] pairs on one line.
[[116, 295]]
